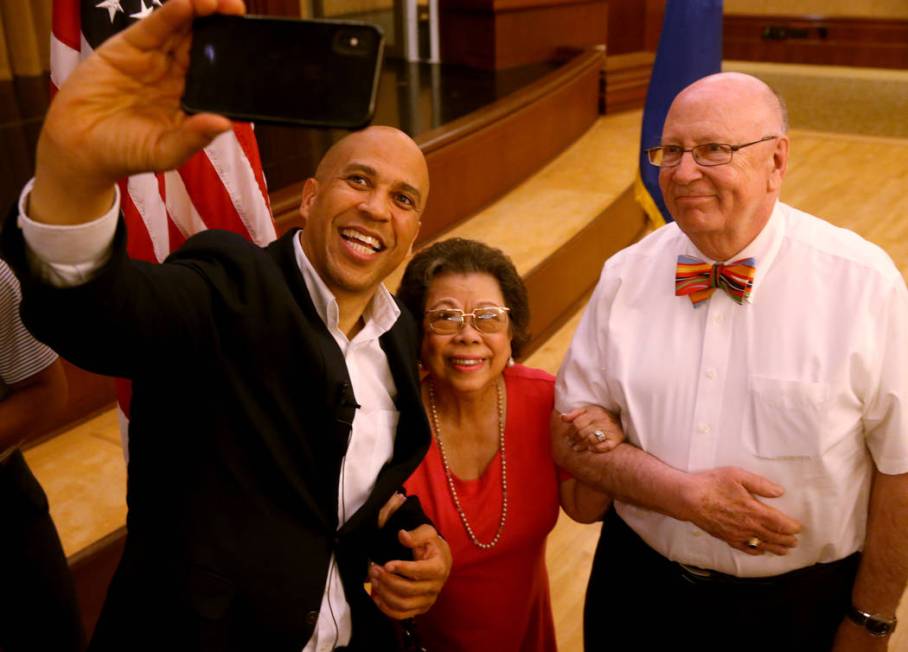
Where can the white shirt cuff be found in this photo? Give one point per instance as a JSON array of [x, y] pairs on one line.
[[68, 255]]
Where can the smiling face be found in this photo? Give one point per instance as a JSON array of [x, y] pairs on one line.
[[469, 360], [723, 208], [361, 211]]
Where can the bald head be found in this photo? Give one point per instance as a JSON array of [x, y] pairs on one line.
[[742, 95], [395, 141]]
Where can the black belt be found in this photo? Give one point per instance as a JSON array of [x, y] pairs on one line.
[[696, 575], [615, 526]]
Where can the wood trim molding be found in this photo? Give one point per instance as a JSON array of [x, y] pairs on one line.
[[89, 394], [627, 80], [841, 41], [92, 569], [514, 33]]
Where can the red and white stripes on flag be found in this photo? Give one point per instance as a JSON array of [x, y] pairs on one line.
[[222, 187]]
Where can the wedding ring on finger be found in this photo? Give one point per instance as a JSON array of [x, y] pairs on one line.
[[599, 435], [753, 543]]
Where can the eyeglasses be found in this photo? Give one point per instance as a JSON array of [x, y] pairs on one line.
[[447, 321], [707, 154]]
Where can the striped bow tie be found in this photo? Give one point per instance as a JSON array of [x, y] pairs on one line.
[[699, 279]]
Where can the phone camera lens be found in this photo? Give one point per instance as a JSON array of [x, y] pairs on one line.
[[352, 42]]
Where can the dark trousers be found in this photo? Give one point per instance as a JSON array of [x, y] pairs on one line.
[[636, 594], [38, 609]]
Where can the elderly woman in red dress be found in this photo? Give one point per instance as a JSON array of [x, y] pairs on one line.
[[488, 481]]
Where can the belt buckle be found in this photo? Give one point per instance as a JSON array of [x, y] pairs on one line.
[[696, 570], [697, 575]]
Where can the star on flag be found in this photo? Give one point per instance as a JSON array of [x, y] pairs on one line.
[[112, 6], [144, 12]]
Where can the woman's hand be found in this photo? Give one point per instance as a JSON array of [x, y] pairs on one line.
[[404, 589], [593, 429]]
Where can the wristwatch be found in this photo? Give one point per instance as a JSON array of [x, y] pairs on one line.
[[875, 625]]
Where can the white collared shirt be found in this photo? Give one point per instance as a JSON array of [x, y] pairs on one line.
[[372, 437], [69, 255], [806, 385]]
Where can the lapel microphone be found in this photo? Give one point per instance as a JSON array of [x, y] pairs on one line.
[[345, 411]]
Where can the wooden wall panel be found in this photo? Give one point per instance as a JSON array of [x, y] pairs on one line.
[[88, 394], [655, 16], [540, 34], [467, 37], [851, 8], [289, 8], [626, 26], [494, 35], [817, 40], [634, 30]]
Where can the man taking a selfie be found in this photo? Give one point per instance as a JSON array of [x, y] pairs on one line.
[[276, 405]]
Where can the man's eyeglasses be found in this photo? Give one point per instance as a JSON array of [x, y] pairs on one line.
[[707, 154], [447, 321]]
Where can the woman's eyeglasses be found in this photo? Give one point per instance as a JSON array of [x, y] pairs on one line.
[[447, 321]]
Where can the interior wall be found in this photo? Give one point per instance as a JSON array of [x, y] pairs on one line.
[[827, 8], [634, 25]]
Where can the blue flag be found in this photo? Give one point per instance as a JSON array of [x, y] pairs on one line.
[[690, 48]]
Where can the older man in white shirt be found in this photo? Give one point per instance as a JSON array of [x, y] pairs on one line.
[[764, 499]]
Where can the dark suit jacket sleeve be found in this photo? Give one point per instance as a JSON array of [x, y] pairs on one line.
[[166, 308]]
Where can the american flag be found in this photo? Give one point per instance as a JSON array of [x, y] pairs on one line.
[[221, 187]]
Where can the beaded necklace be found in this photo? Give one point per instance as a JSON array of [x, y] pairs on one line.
[[450, 476]]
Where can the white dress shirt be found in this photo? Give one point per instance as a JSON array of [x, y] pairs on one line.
[[69, 255], [807, 384]]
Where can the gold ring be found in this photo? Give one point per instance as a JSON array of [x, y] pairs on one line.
[[599, 435], [753, 543]]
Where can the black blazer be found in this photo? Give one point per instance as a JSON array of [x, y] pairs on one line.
[[241, 413]]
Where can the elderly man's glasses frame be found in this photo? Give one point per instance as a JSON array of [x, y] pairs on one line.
[[448, 321], [707, 154]]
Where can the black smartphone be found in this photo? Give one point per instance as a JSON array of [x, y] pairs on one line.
[[302, 72]]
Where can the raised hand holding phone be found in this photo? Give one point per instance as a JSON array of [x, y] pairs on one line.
[[119, 113]]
